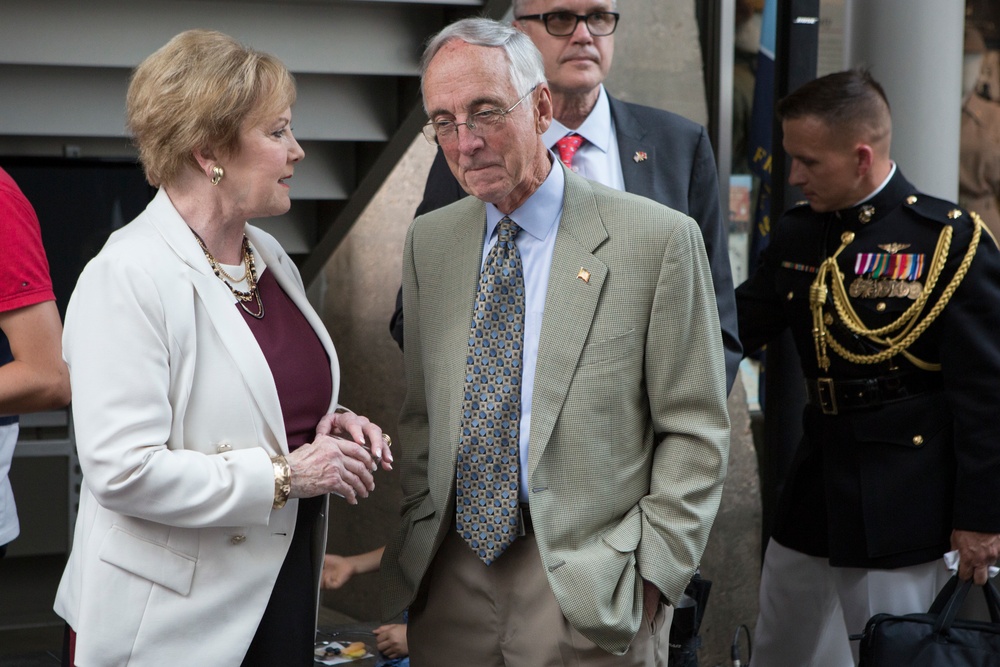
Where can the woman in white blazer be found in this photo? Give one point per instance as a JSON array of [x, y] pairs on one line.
[[205, 389]]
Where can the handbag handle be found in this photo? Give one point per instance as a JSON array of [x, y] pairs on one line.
[[950, 599], [944, 595]]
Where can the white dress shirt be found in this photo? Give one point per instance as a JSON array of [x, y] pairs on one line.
[[879, 188], [597, 158]]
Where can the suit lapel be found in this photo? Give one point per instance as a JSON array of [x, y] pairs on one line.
[[460, 282], [570, 304], [224, 316], [638, 173]]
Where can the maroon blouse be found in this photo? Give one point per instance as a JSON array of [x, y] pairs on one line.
[[298, 361]]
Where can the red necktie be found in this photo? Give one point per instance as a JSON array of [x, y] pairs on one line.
[[568, 146]]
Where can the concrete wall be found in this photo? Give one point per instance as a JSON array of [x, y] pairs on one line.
[[890, 38], [360, 284], [658, 58], [658, 62]]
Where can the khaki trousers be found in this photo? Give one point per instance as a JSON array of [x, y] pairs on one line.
[[505, 615]]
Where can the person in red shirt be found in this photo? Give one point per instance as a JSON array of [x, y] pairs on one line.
[[33, 375]]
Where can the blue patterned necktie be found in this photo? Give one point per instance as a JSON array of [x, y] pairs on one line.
[[486, 513]]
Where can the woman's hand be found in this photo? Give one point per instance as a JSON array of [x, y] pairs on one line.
[[391, 640], [331, 465], [355, 427]]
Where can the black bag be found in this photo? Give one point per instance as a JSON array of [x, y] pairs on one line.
[[935, 639]]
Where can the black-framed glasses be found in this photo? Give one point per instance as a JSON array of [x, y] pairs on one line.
[[479, 123], [563, 24]]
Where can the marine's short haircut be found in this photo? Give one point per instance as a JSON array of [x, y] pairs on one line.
[[848, 101]]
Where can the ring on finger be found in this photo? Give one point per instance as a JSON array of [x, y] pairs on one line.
[[387, 440]]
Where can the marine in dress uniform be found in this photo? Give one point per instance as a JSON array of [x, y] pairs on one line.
[[897, 374], [894, 306]]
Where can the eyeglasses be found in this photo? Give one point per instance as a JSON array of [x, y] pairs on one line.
[[563, 24], [480, 123]]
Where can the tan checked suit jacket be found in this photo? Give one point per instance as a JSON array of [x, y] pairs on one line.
[[629, 433]]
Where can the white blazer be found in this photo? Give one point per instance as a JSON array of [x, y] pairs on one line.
[[176, 547]]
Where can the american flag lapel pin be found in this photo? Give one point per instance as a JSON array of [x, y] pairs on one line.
[[584, 275], [640, 156]]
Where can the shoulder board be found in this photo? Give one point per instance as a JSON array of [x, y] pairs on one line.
[[940, 210]]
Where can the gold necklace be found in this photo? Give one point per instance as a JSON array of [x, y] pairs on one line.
[[245, 276], [249, 274]]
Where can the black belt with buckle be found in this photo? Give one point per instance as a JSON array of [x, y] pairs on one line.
[[836, 396]]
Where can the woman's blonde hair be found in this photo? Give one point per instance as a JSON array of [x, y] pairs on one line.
[[196, 92]]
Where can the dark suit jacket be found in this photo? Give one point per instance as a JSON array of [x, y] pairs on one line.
[[679, 172]]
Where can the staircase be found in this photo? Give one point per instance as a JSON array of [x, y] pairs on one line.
[[65, 64]]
